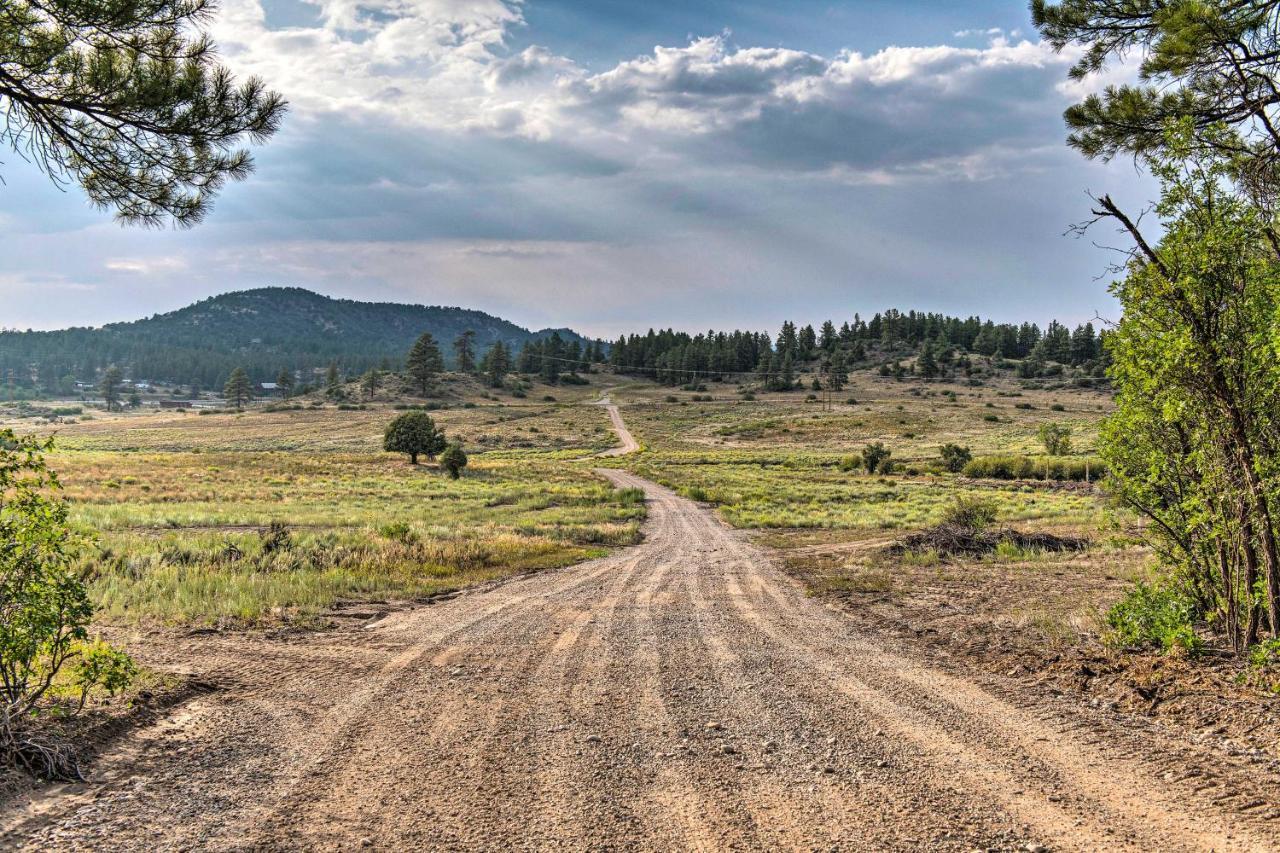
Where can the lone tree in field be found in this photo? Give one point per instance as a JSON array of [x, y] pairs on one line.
[[416, 434], [44, 610], [453, 460], [464, 349], [1056, 439], [110, 387], [126, 100], [496, 364], [424, 363], [238, 389]]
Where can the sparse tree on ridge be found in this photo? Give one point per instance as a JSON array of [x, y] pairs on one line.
[[126, 100], [424, 363], [238, 389]]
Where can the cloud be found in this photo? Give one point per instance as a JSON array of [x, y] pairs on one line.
[[444, 66], [146, 266]]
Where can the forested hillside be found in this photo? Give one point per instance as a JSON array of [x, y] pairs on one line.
[[263, 331]]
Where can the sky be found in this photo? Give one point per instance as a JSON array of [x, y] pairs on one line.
[[613, 166]]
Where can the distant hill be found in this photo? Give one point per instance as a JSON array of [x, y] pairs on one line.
[[261, 330]]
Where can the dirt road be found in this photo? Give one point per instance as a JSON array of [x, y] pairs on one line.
[[681, 694], [627, 442]]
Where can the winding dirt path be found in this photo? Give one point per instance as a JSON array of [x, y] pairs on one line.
[[628, 443], [681, 694]]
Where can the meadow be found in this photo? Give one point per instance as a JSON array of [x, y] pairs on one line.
[[268, 516], [280, 512]]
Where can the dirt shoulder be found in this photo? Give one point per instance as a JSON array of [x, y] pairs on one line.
[[1035, 623]]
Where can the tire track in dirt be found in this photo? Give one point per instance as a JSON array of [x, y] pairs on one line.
[[682, 693]]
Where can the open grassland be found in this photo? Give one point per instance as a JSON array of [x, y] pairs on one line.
[[776, 462], [182, 507]]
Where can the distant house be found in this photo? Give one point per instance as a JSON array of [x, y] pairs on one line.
[[269, 388], [175, 404]]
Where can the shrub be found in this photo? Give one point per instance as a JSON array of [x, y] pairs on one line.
[[1035, 468], [991, 419], [971, 513], [44, 608], [453, 460], [886, 466], [1056, 439], [671, 398], [874, 455], [955, 456], [275, 537], [414, 433], [1154, 616], [1057, 407], [849, 463], [397, 531]]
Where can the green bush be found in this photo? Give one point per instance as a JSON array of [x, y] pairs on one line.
[[874, 455], [955, 457], [971, 513], [1154, 616], [46, 610], [1034, 467]]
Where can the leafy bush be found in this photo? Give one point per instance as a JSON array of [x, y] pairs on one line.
[[1034, 468], [874, 455], [1154, 616], [971, 513], [397, 531], [955, 456], [44, 608], [1056, 439], [275, 537], [453, 460]]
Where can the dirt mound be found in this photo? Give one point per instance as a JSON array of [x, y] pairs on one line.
[[952, 540]]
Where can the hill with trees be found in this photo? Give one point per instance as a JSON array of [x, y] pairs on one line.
[[895, 342], [265, 331]]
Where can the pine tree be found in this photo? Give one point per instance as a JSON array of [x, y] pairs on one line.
[[496, 364], [927, 363], [111, 387], [238, 389], [285, 381], [333, 382], [788, 378], [465, 352], [837, 372], [370, 381], [126, 99], [424, 363]]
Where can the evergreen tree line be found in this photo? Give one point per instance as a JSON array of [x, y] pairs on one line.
[[679, 358]]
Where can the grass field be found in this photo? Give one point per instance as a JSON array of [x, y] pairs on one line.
[[775, 462], [181, 506]]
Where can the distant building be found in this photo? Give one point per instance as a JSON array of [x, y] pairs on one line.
[[175, 404], [269, 387]]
